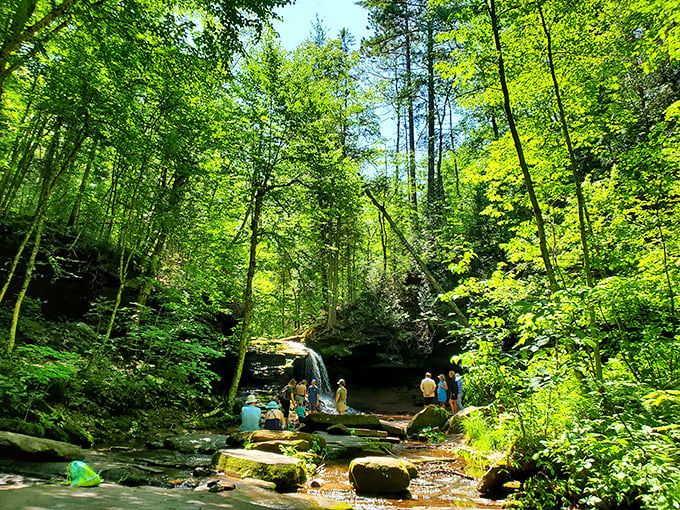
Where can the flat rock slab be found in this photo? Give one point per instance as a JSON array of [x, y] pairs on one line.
[[393, 430], [261, 436], [196, 443], [279, 446], [13, 444], [350, 447], [321, 421], [286, 472], [116, 497]]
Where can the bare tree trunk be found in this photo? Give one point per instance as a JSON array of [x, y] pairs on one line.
[[428, 275], [412, 187], [432, 199], [334, 270], [538, 216]]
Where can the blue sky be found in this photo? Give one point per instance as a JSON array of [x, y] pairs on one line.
[[335, 14]]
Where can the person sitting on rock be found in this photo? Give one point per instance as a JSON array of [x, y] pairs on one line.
[[274, 419], [250, 415]]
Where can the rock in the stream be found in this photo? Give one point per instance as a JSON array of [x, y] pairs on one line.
[[321, 421], [286, 472], [504, 471], [239, 439], [393, 430], [430, 416], [126, 475], [454, 425], [196, 443], [37, 448], [381, 475], [339, 430], [279, 446], [350, 447]]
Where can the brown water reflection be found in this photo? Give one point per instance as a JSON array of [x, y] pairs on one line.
[[438, 484]]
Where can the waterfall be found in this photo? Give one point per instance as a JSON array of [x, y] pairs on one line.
[[315, 368]]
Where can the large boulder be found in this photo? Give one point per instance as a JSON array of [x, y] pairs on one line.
[[430, 416], [195, 443], [321, 421], [381, 475], [37, 448], [240, 439], [286, 472], [350, 447]]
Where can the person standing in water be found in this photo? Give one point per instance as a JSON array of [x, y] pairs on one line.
[[341, 397], [313, 396]]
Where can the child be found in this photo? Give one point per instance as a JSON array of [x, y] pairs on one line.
[[301, 412]]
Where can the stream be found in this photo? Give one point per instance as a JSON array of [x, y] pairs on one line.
[[441, 483]]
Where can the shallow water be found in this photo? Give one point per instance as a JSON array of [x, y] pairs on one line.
[[439, 483]]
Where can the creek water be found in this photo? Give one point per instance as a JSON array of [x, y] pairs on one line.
[[441, 482]]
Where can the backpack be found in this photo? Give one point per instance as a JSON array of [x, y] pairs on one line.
[[284, 394], [81, 475]]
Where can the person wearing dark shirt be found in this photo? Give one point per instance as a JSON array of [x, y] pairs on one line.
[[313, 396]]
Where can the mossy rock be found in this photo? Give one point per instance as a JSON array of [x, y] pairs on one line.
[[286, 472], [322, 421], [381, 475], [280, 445], [239, 439], [431, 416], [38, 448]]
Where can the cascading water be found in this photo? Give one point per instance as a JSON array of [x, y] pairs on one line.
[[315, 368]]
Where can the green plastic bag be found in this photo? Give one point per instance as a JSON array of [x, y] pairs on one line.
[[79, 474]]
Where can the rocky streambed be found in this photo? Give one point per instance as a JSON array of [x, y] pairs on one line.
[[245, 470]]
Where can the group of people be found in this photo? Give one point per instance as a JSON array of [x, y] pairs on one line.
[[445, 389], [296, 395]]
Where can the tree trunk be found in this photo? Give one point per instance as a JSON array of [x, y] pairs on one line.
[[412, 187], [431, 183], [538, 216], [24, 287], [247, 296], [428, 275], [167, 224], [83, 185], [48, 163], [579, 196], [334, 270]]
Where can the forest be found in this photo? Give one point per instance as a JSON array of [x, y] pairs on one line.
[[174, 183]]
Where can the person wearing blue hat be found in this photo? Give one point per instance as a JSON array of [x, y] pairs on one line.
[[250, 415], [313, 396], [274, 419]]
